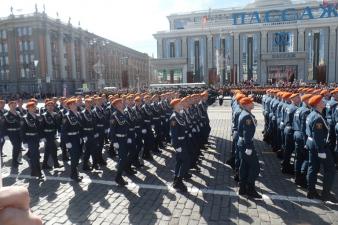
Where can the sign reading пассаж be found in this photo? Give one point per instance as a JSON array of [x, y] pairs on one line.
[[323, 11]]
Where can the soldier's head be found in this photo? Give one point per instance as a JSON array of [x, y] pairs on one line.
[[325, 93], [316, 102], [146, 99], [19, 102], [204, 96], [295, 98], [12, 105], [71, 104], [118, 104], [176, 105], [31, 107], [247, 103], [334, 94], [88, 103], [138, 101], [305, 98], [155, 98], [49, 105]]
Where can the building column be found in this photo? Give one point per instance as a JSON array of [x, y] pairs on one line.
[[264, 49], [62, 56], [159, 48], [184, 47], [332, 55], [83, 60], [301, 40], [236, 57], [209, 47], [49, 56], [72, 48]]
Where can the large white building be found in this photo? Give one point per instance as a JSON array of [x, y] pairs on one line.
[[265, 41]]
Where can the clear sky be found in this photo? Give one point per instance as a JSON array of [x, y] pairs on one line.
[[128, 22]]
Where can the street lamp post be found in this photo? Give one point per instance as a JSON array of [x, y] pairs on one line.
[[36, 62]]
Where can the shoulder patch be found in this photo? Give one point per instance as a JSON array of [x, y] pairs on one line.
[[248, 122], [319, 126], [173, 123]]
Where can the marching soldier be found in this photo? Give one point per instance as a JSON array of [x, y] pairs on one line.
[[89, 136], [301, 154], [3, 111], [11, 131], [317, 131], [130, 117], [249, 164], [20, 108], [118, 131], [70, 130], [147, 130], [139, 124], [49, 128], [30, 130], [178, 142], [331, 117], [101, 128], [62, 110], [289, 133]]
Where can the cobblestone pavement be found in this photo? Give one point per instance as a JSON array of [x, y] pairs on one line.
[[150, 199]]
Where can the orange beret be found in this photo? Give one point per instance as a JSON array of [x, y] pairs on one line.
[[184, 99], [287, 95], [33, 100], [2, 101], [324, 92], [294, 95], [70, 101], [204, 94], [147, 97], [47, 100], [88, 100], [314, 100], [116, 101], [245, 101], [316, 91], [334, 91], [138, 99], [174, 102], [306, 97], [240, 96], [30, 104]]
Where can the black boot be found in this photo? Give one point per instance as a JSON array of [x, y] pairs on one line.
[[300, 180], [120, 181], [313, 195], [179, 185], [288, 169], [328, 197], [75, 175], [86, 167], [242, 189], [253, 193]]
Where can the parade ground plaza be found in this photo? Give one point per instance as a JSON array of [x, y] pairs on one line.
[[150, 199]]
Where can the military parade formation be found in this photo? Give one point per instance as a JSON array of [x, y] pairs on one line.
[[129, 127], [301, 126]]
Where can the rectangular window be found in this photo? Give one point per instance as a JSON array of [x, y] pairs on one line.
[[21, 59], [5, 47], [31, 45], [32, 58], [6, 60], [26, 45], [172, 50], [27, 59], [24, 31], [4, 34], [19, 32], [316, 48], [20, 46], [250, 57], [29, 31], [22, 72]]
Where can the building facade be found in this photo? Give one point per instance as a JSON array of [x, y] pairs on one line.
[[265, 41], [39, 54]]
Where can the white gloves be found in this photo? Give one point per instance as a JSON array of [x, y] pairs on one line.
[[144, 131], [153, 127], [179, 149], [96, 135], [43, 140], [116, 145], [322, 155], [248, 151], [85, 139], [129, 141], [6, 138], [25, 145], [69, 145], [106, 131]]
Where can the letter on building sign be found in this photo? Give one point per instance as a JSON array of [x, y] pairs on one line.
[[289, 14], [328, 10], [235, 17], [306, 13], [255, 18], [272, 16]]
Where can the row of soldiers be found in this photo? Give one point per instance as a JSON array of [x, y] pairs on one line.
[[131, 125], [304, 122]]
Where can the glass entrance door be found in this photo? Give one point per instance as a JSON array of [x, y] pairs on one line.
[[287, 73]]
